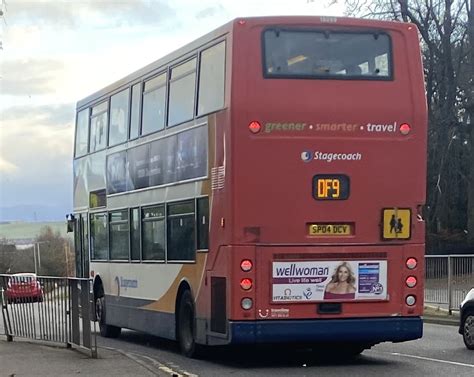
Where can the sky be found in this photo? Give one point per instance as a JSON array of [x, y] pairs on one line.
[[54, 53]]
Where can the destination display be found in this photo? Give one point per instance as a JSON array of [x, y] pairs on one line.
[[331, 187], [171, 159]]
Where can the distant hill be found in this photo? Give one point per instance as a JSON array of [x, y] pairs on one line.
[[24, 232], [33, 213]]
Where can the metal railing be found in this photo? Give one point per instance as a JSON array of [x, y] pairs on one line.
[[48, 309], [447, 279], [59, 309]]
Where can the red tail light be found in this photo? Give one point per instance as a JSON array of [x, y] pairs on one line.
[[410, 281], [246, 284], [255, 127], [405, 129], [246, 265], [411, 263]]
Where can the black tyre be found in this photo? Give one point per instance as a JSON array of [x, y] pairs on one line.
[[186, 331], [333, 352], [107, 331], [354, 350], [468, 331]]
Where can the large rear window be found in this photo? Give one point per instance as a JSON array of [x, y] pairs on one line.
[[326, 54]]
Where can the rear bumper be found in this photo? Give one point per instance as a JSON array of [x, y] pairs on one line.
[[364, 330]]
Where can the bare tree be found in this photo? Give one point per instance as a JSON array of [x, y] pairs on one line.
[[469, 116], [446, 31], [7, 251], [57, 258]]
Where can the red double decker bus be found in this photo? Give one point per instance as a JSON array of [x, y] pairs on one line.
[[263, 184]]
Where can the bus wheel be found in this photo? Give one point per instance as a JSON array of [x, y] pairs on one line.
[[337, 351], [107, 331], [186, 325]]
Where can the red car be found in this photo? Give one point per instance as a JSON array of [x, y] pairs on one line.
[[24, 287]]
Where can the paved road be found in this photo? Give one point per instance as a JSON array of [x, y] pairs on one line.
[[439, 353]]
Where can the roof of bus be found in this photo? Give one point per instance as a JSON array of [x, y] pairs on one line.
[[191, 47]]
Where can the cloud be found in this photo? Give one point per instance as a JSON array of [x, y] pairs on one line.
[[30, 76], [210, 11], [71, 14], [7, 167], [35, 154], [37, 140], [58, 51], [30, 116]]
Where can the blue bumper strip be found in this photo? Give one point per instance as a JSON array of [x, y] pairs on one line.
[[369, 330]]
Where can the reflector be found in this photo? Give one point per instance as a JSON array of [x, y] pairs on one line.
[[410, 300], [246, 303]]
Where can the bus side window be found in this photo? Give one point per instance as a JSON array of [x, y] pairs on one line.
[[118, 235], [181, 93], [211, 79], [119, 108], [203, 223], [181, 231], [98, 231], [135, 234], [98, 128], [135, 111], [82, 133], [153, 233]]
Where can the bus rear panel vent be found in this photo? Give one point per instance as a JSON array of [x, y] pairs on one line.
[[218, 305]]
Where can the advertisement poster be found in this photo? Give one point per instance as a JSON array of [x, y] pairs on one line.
[[116, 172], [171, 159], [329, 280]]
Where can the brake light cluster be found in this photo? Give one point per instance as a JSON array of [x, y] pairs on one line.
[[246, 284], [411, 281]]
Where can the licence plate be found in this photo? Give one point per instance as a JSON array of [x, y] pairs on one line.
[[330, 229]]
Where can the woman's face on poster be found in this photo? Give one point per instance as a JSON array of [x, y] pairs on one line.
[[343, 273]]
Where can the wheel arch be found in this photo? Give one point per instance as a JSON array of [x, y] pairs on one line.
[[183, 286], [97, 286], [468, 309]]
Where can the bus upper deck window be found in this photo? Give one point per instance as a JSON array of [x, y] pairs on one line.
[[298, 53]]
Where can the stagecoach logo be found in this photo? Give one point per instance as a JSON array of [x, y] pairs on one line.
[[122, 282], [308, 156], [274, 313]]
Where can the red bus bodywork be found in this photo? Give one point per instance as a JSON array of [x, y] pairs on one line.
[[265, 205]]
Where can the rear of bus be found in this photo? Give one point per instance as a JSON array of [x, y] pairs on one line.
[[328, 166]]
